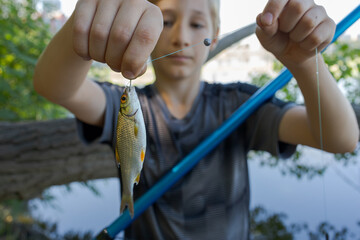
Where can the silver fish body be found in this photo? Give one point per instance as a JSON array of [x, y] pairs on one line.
[[130, 145]]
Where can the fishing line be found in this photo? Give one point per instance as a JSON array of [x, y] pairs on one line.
[[318, 89], [321, 138], [207, 42]]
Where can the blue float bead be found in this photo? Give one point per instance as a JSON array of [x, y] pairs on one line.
[[207, 42]]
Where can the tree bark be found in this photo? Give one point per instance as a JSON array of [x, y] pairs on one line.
[[37, 155]]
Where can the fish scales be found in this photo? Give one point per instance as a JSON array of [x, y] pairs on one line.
[[130, 145]]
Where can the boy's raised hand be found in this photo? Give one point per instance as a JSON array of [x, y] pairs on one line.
[[292, 29], [120, 33]]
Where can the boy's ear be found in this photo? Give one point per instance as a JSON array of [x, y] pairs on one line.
[[214, 41]]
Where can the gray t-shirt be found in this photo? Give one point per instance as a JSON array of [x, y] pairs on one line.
[[212, 200]]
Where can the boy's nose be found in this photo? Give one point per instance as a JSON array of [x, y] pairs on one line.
[[180, 35]]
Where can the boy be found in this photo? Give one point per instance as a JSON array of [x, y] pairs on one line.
[[212, 201]]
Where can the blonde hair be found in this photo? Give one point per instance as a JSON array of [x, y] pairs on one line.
[[214, 10], [215, 15]]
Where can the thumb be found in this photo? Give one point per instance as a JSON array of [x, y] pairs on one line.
[[268, 19], [272, 11]]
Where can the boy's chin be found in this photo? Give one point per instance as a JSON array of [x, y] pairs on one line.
[[182, 74]]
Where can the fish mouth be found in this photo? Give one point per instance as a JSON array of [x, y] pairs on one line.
[[129, 115]]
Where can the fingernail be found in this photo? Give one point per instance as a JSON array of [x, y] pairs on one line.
[[128, 75], [267, 18]]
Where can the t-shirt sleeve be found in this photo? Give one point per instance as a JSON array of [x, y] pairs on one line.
[[89, 133], [262, 128]]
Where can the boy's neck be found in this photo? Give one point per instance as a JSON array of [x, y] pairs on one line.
[[178, 95]]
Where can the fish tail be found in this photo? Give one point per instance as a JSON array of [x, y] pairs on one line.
[[127, 200]]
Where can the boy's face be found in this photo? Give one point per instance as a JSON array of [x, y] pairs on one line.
[[186, 22]]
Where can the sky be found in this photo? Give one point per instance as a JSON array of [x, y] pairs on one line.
[[234, 14]]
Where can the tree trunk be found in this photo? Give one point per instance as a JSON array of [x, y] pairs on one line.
[[37, 155]]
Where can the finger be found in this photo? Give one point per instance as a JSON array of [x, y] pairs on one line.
[[100, 28], [143, 42], [272, 11], [273, 44], [331, 32], [292, 13], [122, 31], [143, 70], [266, 31], [320, 37], [83, 15], [308, 23]]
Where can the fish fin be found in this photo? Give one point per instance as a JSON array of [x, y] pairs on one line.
[[137, 179], [127, 200], [142, 155], [136, 129], [117, 157]]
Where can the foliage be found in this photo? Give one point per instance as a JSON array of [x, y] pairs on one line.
[[25, 35], [348, 158], [17, 224], [293, 166], [343, 59], [264, 225]]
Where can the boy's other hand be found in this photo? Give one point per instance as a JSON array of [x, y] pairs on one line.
[[292, 29], [120, 33]]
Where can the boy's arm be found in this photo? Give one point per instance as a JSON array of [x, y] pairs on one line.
[[340, 132], [120, 33], [60, 76], [292, 30]]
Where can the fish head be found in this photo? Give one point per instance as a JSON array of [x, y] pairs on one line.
[[129, 103]]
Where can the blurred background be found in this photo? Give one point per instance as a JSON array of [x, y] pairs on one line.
[[297, 198]]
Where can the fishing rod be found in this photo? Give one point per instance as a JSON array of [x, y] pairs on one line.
[[205, 147]]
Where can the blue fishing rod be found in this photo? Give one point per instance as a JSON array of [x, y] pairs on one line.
[[205, 147]]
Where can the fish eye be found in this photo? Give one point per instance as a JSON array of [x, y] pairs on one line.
[[123, 99]]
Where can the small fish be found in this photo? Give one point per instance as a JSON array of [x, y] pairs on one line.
[[130, 145]]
